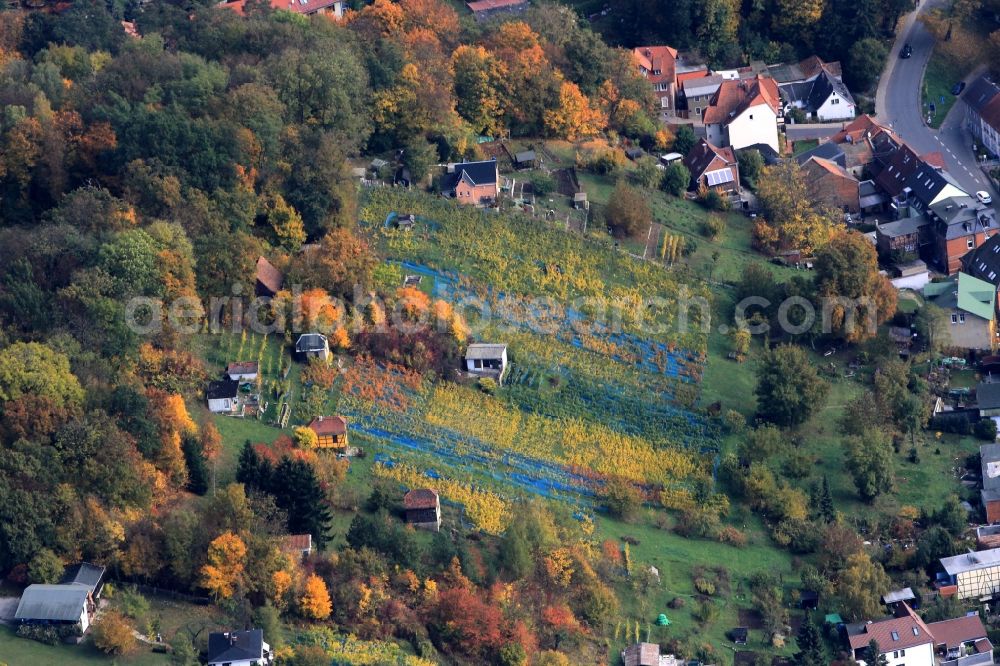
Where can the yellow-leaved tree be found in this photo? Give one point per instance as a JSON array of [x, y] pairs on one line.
[[575, 117], [223, 572], [315, 602]]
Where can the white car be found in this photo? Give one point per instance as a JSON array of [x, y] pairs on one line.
[[984, 197]]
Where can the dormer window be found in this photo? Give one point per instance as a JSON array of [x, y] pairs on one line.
[[895, 636]]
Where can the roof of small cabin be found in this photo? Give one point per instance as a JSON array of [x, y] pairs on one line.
[[905, 594], [903, 227], [311, 342], [329, 425], [269, 276], [242, 368], [296, 542], [420, 498], [487, 5], [229, 646], [297, 6], [58, 603], [88, 575], [642, 654], [221, 389], [525, 156], [481, 350]]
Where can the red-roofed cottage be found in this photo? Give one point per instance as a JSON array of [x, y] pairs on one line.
[[331, 432], [659, 65], [423, 509], [305, 7]]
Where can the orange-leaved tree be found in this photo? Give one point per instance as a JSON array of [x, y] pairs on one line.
[[315, 602], [222, 575]]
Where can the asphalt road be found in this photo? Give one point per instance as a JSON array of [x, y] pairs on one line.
[[898, 103]]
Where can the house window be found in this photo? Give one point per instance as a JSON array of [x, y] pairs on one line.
[[478, 364], [961, 317], [656, 72], [902, 653], [751, 116], [834, 101], [697, 111], [971, 243], [954, 318]]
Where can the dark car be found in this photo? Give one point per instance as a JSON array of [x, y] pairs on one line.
[[958, 88], [906, 52]]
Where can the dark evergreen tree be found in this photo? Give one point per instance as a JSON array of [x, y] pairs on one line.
[[197, 465], [514, 554], [297, 490], [826, 510], [810, 644], [875, 656], [253, 471]]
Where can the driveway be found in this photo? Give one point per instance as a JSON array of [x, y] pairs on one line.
[[898, 103], [8, 606]]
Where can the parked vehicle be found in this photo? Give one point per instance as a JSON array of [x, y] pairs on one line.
[[958, 88], [906, 52], [984, 197]]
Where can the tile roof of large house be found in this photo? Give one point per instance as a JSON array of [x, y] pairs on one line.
[[328, 425], [828, 167], [856, 130], [657, 58], [823, 86], [736, 96], [489, 5], [960, 630], [898, 633]]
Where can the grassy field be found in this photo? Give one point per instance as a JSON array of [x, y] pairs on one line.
[[939, 77], [16, 651]]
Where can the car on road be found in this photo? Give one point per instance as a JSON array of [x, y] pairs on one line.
[[906, 52], [958, 88], [984, 197]]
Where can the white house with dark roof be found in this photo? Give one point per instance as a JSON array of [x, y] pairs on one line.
[[312, 345], [221, 396], [825, 97], [57, 605], [239, 648]]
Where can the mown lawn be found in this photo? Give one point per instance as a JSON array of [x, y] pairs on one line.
[[939, 77], [15, 651]]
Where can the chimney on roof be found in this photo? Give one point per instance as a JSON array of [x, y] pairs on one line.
[[319, 418]]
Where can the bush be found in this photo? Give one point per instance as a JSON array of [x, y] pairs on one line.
[[957, 424], [622, 499], [704, 586], [113, 635], [732, 537], [986, 430], [49, 635], [676, 178], [705, 612], [712, 226], [487, 385], [627, 212], [132, 604], [542, 183]]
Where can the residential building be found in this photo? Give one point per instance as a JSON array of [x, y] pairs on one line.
[[486, 9], [824, 97], [714, 167], [744, 112], [988, 401], [804, 71], [970, 305], [242, 371], [896, 240], [269, 279], [988, 396], [221, 396], [972, 575], [71, 606], [959, 224], [856, 140], [299, 545], [894, 599], [904, 640], [312, 345], [988, 536], [90, 576], [331, 432], [239, 648], [831, 184], [658, 65], [870, 198], [697, 93], [827, 151], [486, 360], [962, 641], [476, 183], [305, 7], [423, 509], [984, 261], [982, 115]]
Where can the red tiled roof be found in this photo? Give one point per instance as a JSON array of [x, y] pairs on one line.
[[296, 542], [269, 276], [828, 166], [329, 425], [297, 6], [857, 128], [420, 498], [696, 74], [704, 157], [661, 58], [487, 5], [909, 631], [736, 96], [242, 368], [952, 633], [130, 29]]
